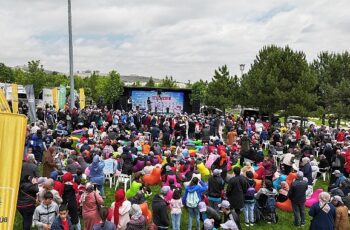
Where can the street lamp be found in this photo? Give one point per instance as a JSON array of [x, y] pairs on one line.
[[72, 96], [241, 67]]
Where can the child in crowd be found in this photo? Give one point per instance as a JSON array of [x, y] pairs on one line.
[[63, 220], [176, 205]]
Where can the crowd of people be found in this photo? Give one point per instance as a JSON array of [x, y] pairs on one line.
[[216, 168]]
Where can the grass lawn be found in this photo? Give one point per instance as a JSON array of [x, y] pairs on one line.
[[285, 219]]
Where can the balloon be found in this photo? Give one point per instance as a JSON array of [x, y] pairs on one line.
[[132, 191], [259, 172], [203, 170], [290, 178], [237, 164], [153, 178], [172, 177], [258, 184], [314, 198]]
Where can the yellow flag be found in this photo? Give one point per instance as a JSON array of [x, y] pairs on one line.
[[4, 106], [14, 97], [81, 98], [12, 141], [55, 97]]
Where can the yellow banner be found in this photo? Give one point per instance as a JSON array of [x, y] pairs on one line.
[[81, 98], [55, 97], [12, 141], [14, 98], [4, 106]]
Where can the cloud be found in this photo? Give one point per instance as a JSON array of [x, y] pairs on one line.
[[185, 39]]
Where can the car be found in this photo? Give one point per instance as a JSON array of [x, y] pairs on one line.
[[293, 119]]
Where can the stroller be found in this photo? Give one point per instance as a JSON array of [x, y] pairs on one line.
[[265, 208]]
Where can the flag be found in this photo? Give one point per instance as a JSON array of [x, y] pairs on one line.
[[62, 97], [55, 97], [4, 106], [81, 98], [12, 141], [31, 102], [14, 98]]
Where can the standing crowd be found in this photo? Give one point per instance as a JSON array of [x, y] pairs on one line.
[[217, 168]]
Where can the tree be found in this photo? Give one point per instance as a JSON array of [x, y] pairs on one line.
[[331, 69], [36, 76], [168, 82], [113, 88], [6, 74], [136, 83], [150, 82], [222, 89], [279, 80], [199, 91]]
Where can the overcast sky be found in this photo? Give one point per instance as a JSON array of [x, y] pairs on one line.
[[186, 39]]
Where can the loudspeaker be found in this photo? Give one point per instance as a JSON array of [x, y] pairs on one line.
[[167, 109], [196, 106]]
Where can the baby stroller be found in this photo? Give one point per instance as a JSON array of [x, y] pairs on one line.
[[265, 208]]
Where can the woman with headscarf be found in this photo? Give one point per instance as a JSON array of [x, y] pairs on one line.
[[96, 173], [27, 200], [119, 199], [49, 163], [70, 189], [121, 210], [306, 169], [48, 187], [323, 213], [341, 220], [221, 163], [137, 220], [90, 199]]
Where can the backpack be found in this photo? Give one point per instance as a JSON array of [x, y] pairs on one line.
[[192, 200], [271, 204], [250, 191]]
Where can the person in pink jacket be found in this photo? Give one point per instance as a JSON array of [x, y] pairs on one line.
[[90, 199]]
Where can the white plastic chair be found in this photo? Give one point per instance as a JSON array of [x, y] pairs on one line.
[[324, 174], [123, 178]]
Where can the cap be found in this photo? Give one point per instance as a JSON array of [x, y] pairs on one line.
[[217, 172], [336, 172], [164, 190], [224, 204], [202, 206], [208, 224], [338, 198], [229, 225]]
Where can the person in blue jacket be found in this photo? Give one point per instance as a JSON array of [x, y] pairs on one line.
[[198, 187], [96, 173], [323, 213]]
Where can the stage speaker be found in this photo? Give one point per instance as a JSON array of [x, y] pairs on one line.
[[196, 106], [167, 109]]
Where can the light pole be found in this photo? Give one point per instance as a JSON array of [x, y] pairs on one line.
[[72, 96], [241, 67]]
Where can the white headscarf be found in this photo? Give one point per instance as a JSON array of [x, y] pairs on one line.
[[324, 199]]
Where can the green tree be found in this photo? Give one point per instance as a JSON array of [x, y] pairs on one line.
[[199, 91], [6, 74], [36, 76], [113, 88], [222, 89], [150, 82], [168, 82], [279, 80], [137, 84], [331, 69]]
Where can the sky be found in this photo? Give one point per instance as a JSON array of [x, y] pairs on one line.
[[185, 39]]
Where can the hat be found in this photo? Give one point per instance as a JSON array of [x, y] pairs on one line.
[[202, 206], [224, 204], [229, 225], [336, 172], [164, 190], [217, 172], [338, 198], [208, 224]]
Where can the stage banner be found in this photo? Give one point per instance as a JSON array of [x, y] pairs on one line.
[[14, 98], [81, 98], [55, 97], [12, 140], [4, 106], [62, 97], [31, 102]]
